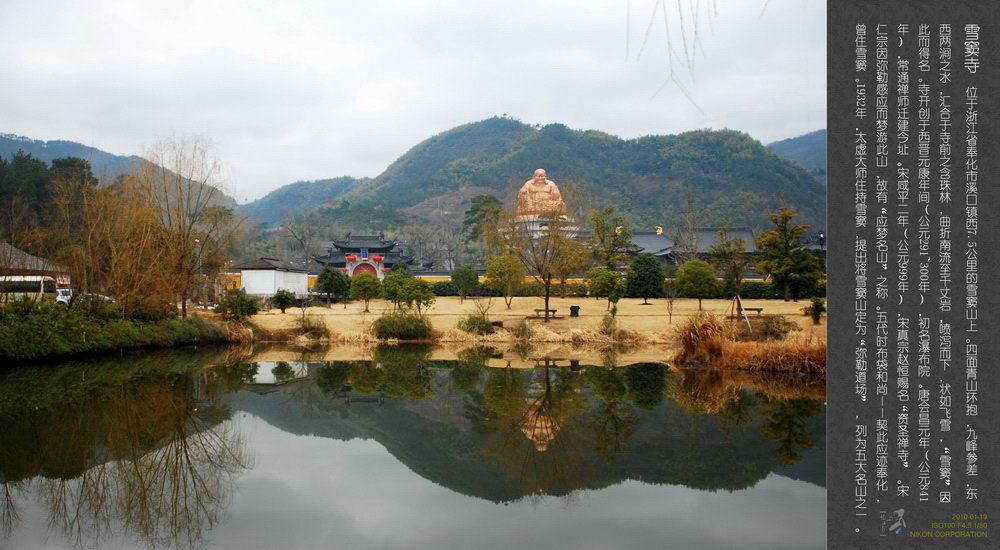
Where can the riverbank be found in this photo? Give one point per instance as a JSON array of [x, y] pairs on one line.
[[50, 330]]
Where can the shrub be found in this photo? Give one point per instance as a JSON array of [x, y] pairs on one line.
[[236, 306], [476, 324], [313, 326], [816, 310], [523, 331], [772, 327], [402, 326], [283, 299]]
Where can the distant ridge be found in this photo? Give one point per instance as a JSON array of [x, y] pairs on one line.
[[106, 166], [296, 198], [809, 150]]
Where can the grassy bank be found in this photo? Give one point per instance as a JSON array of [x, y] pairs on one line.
[[35, 331]]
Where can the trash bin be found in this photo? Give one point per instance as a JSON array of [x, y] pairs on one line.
[[574, 311]]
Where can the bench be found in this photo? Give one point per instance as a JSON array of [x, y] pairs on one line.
[[540, 311], [757, 309]]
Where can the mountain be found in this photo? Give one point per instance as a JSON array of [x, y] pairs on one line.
[[809, 150], [732, 177], [106, 166], [296, 198]]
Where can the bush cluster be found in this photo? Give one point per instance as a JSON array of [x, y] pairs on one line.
[[476, 324], [403, 326]]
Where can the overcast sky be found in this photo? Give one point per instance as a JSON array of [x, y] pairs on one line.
[[301, 90]]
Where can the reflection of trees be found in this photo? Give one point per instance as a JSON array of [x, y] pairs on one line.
[[646, 382], [472, 362], [531, 433], [147, 458], [332, 377], [406, 372], [615, 421], [366, 378], [737, 413], [787, 424], [702, 391], [232, 376], [282, 372]]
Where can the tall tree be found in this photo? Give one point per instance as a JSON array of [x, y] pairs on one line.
[[604, 283], [572, 259], [333, 283], [645, 278], [365, 287], [686, 242], [730, 256], [537, 244], [184, 182], [465, 279], [612, 238], [392, 285], [505, 274], [697, 279], [785, 254]]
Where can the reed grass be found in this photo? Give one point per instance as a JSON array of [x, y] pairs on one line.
[[707, 340]]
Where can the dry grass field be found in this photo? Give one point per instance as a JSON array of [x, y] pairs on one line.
[[650, 321]]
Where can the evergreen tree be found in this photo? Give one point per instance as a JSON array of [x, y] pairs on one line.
[[365, 287], [696, 279], [465, 280], [785, 255], [333, 283], [645, 278]]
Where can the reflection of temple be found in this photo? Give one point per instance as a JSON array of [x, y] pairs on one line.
[[364, 253], [539, 426]]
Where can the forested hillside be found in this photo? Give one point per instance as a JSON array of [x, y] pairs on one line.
[[732, 177]]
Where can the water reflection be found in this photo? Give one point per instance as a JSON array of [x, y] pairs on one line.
[[146, 449], [150, 446]]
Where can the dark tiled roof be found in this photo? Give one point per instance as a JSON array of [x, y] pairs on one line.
[[649, 241], [707, 237], [17, 259], [273, 263]]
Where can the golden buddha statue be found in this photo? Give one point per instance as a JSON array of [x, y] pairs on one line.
[[540, 196]]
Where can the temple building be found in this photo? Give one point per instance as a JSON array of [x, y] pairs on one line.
[[365, 254]]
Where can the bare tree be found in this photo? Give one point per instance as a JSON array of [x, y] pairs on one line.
[[183, 182]]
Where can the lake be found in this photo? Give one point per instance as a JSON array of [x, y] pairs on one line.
[[408, 447]]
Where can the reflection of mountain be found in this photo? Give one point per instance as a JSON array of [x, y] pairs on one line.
[[437, 441]]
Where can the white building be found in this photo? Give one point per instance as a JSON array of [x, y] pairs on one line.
[[266, 276]]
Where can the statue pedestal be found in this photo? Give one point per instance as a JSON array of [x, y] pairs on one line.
[[535, 226]]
